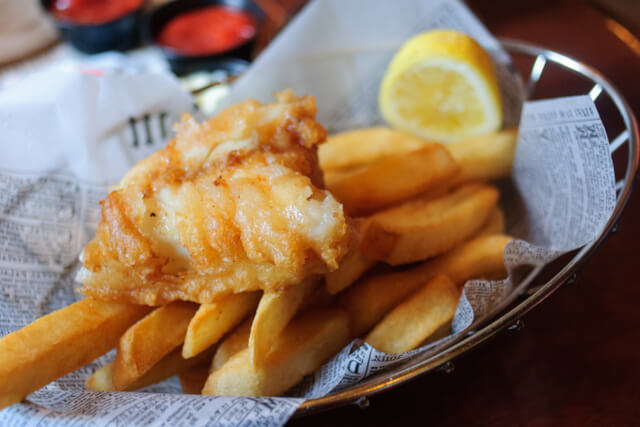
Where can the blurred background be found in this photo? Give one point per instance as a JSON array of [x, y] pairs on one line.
[[35, 34], [26, 29]]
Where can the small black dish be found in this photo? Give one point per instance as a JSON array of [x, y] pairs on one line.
[[120, 34], [182, 64]]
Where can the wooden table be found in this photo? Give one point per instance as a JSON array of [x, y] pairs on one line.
[[577, 361]]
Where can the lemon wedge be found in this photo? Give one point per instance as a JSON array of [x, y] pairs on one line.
[[441, 85]]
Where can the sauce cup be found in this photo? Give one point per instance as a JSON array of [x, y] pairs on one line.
[[183, 63]]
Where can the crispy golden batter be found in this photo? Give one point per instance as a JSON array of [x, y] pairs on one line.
[[231, 205]]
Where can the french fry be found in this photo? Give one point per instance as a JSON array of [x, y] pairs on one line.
[[371, 299], [485, 157], [422, 200], [173, 364], [481, 256], [212, 321], [361, 146], [386, 181], [149, 340], [304, 346], [418, 317], [101, 379], [233, 343], [170, 365], [495, 224], [419, 229], [274, 311], [353, 265], [192, 380], [238, 339], [59, 343]]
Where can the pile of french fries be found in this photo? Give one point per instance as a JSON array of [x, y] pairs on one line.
[[428, 221]]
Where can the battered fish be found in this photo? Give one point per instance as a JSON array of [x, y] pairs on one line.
[[233, 204]]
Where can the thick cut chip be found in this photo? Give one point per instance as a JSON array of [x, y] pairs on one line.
[[371, 299], [481, 256], [417, 318], [233, 343], [275, 310], [170, 365], [361, 146], [307, 343], [495, 223], [419, 229], [173, 364], [101, 379], [213, 320], [149, 340], [353, 265], [59, 343], [379, 184], [231, 205], [485, 157]]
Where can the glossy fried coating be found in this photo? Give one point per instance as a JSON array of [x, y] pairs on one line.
[[233, 204]]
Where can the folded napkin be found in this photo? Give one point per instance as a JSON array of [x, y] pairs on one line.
[[24, 28]]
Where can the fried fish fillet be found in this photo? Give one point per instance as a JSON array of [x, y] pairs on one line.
[[231, 205]]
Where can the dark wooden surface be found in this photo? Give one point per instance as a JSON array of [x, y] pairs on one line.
[[577, 361]]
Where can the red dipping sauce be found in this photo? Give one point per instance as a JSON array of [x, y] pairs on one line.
[[92, 12], [208, 30]]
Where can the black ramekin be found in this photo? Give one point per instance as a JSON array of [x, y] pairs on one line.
[[183, 64], [122, 33]]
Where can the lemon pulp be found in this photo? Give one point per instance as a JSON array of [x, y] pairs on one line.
[[441, 85]]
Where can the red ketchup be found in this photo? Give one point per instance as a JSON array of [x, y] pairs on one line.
[[208, 30], [92, 12]]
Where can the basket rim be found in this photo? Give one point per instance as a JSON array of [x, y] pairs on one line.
[[359, 393]]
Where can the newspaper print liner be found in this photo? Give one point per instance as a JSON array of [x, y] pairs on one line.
[[566, 208]]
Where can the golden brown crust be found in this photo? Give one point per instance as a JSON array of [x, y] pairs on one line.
[[233, 204]]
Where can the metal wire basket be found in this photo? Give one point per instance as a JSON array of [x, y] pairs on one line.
[[622, 129]]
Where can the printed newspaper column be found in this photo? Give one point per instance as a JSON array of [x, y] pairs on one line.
[[78, 139], [564, 174]]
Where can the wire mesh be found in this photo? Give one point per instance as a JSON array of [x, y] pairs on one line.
[[511, 316]]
